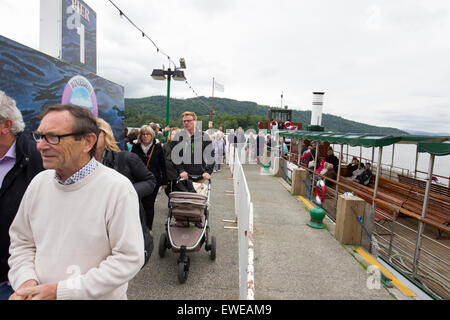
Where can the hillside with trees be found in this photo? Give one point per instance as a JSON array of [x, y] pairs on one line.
[[231, 114]]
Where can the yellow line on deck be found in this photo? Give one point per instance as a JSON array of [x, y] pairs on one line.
[[400, 286], [306, 202]]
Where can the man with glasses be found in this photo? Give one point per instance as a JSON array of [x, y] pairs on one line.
[[19, 163], [193, 153], [77, 234]]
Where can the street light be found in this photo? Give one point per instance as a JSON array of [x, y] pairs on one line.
[[177, 75]]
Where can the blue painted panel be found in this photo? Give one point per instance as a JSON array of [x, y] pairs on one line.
[[36, 80]]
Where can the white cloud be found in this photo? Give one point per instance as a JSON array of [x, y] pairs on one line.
[[380, 62]]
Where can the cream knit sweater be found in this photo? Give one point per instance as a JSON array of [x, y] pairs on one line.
[[86, 237]]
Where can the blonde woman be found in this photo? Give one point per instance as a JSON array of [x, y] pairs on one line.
[[128, 164], [152, 155], [107, 153]]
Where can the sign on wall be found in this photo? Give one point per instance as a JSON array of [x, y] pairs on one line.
[[79, 34]]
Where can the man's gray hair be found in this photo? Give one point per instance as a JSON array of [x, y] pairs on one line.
[[9, 110]]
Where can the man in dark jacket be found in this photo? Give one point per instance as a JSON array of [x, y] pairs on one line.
[[331, 158], [193, 153], [19, 163], [364, 178]]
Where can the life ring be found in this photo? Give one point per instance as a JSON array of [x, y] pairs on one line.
[[287, 124], [320, 185], [273, 125]]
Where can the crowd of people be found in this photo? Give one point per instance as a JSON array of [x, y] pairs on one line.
[[328, 166], [76, 210], [69, 185]]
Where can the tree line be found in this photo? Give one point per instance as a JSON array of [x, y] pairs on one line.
[[231, 113]]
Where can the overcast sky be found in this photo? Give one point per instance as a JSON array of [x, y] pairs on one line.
[[385, 63]]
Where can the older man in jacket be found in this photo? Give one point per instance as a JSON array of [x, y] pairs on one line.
[[19, 163]]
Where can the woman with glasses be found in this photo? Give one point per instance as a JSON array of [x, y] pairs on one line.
[[152, 155]]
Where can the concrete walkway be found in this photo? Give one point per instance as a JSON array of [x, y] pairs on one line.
[[292, 260], [207, 280]]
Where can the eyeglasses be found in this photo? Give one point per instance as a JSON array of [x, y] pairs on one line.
[[52, 138]]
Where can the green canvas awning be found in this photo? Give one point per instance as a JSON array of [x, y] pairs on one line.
[[353, 139], [437, 145], [435, 148], [417, 139]]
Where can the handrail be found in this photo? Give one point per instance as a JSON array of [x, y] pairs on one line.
[[412, 188], [435, 175]]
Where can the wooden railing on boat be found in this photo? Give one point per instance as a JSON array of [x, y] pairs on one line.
[[396, 196], [408, 200], [421, 184]]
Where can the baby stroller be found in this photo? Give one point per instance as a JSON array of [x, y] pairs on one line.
[[187, 226]]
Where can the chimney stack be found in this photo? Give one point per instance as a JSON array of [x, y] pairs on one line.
[[317, 109]]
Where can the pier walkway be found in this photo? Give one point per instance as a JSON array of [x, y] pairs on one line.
[[292, 260]]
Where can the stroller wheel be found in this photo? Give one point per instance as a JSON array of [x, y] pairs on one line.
[[183, 271], [162, 245], [213, 248]]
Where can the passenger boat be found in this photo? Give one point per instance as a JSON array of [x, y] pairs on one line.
[[409, 217]]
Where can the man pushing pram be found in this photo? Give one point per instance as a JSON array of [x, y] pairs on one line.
[[187, 227]]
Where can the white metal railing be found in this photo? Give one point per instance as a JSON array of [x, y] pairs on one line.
[[244, 214]]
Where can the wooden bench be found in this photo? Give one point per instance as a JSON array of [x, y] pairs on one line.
[[421, 184], [409, 198]]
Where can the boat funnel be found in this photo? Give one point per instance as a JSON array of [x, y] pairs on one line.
[[317, 109]]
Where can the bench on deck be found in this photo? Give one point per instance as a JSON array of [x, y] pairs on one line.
[[406, 197], [421, 184]]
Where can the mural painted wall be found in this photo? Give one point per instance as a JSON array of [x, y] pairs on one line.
[[36, 80]]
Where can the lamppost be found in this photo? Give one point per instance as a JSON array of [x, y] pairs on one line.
[[177, 75]]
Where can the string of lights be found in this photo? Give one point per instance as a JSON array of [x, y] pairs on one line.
[[158, 49], [190, 87]]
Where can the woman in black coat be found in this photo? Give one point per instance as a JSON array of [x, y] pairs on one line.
[[128, 164], [107, 153], [152, 155]]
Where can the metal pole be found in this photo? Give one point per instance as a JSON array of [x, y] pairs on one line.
[[346, 159], [417, 160], [169, 75], [392, 160], [377, 178], [373, 154], [315, 165], [338, 175], [211, 113], [424, 213], [360, 153]]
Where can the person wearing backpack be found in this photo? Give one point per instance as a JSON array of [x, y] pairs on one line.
[[109, 154]]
